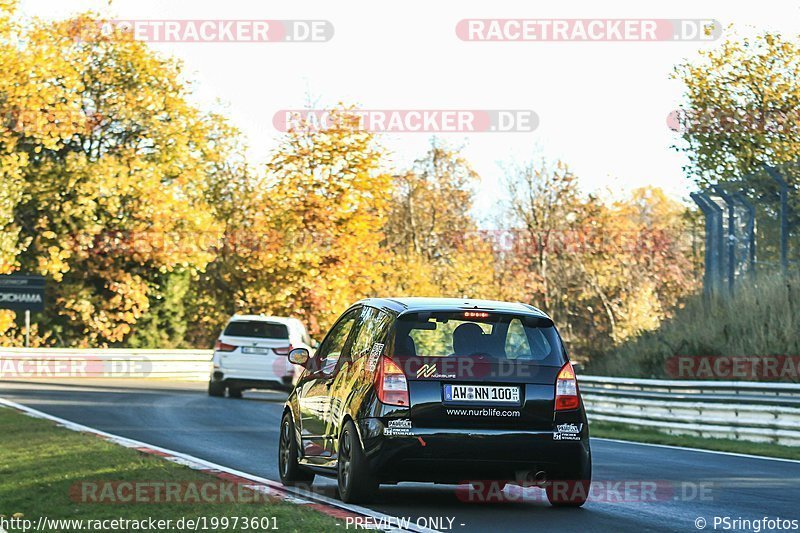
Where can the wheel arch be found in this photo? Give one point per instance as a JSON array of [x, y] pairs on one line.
[[345, 419], [287, 409]]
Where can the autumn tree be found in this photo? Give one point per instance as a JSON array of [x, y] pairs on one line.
[[432, 202], [637, 261], [431, 235], [605, 270], [113, 162], [740, 113], [547, 213], [302, 238]]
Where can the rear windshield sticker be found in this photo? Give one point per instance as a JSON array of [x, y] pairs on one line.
[[374, 355]]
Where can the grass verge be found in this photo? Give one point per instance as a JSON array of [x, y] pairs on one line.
[[610, 430], [44, 468]]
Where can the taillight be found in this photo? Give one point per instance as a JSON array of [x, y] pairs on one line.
[[222, 347], [283, 351], [391, 383], [567, 389]]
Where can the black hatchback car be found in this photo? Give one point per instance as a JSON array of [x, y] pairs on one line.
[[437, 390]]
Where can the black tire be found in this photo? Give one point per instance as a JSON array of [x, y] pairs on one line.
[[567, 493], [356, 482], [216, 389], [292, 474], [234, 393]]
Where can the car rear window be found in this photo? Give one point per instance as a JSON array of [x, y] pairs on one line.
[[258, 329], [509, 337]]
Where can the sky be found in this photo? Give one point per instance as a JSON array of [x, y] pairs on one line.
[[602, 106]]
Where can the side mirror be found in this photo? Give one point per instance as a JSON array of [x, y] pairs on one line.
[[299, 356]]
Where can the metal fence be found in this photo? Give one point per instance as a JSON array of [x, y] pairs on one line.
[[753, 411], [44, 363], [750, 225]]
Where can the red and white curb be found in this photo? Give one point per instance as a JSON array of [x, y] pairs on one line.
[[319, 502]]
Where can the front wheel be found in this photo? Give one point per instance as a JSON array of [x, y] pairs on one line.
[[290, 471], [356, 482]]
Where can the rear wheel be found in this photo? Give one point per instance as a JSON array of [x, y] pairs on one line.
[[234, 393], [356, 482], [216, 389], [567, 493], [290, 471]]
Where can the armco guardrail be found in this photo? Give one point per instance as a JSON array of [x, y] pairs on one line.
[[753, 411], [760, 412], [43, 363]]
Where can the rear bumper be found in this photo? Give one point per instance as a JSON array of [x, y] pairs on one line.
[[455, 456], [283, 384]]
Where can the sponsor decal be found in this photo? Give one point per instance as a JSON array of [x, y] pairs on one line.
[[398, 427], [374, 355], [568, 432], [429, 371], [426, 371], [485, 412]]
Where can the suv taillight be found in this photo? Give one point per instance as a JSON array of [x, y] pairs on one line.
[[283, 351], [222, 347], [567, 389], [391, 383]]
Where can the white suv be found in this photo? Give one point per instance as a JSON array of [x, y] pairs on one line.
[[251, 354]]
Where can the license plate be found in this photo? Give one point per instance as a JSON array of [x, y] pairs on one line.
[[260, 351], [481, 394]]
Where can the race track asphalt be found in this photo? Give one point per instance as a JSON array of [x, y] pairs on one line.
[[243, 434]]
